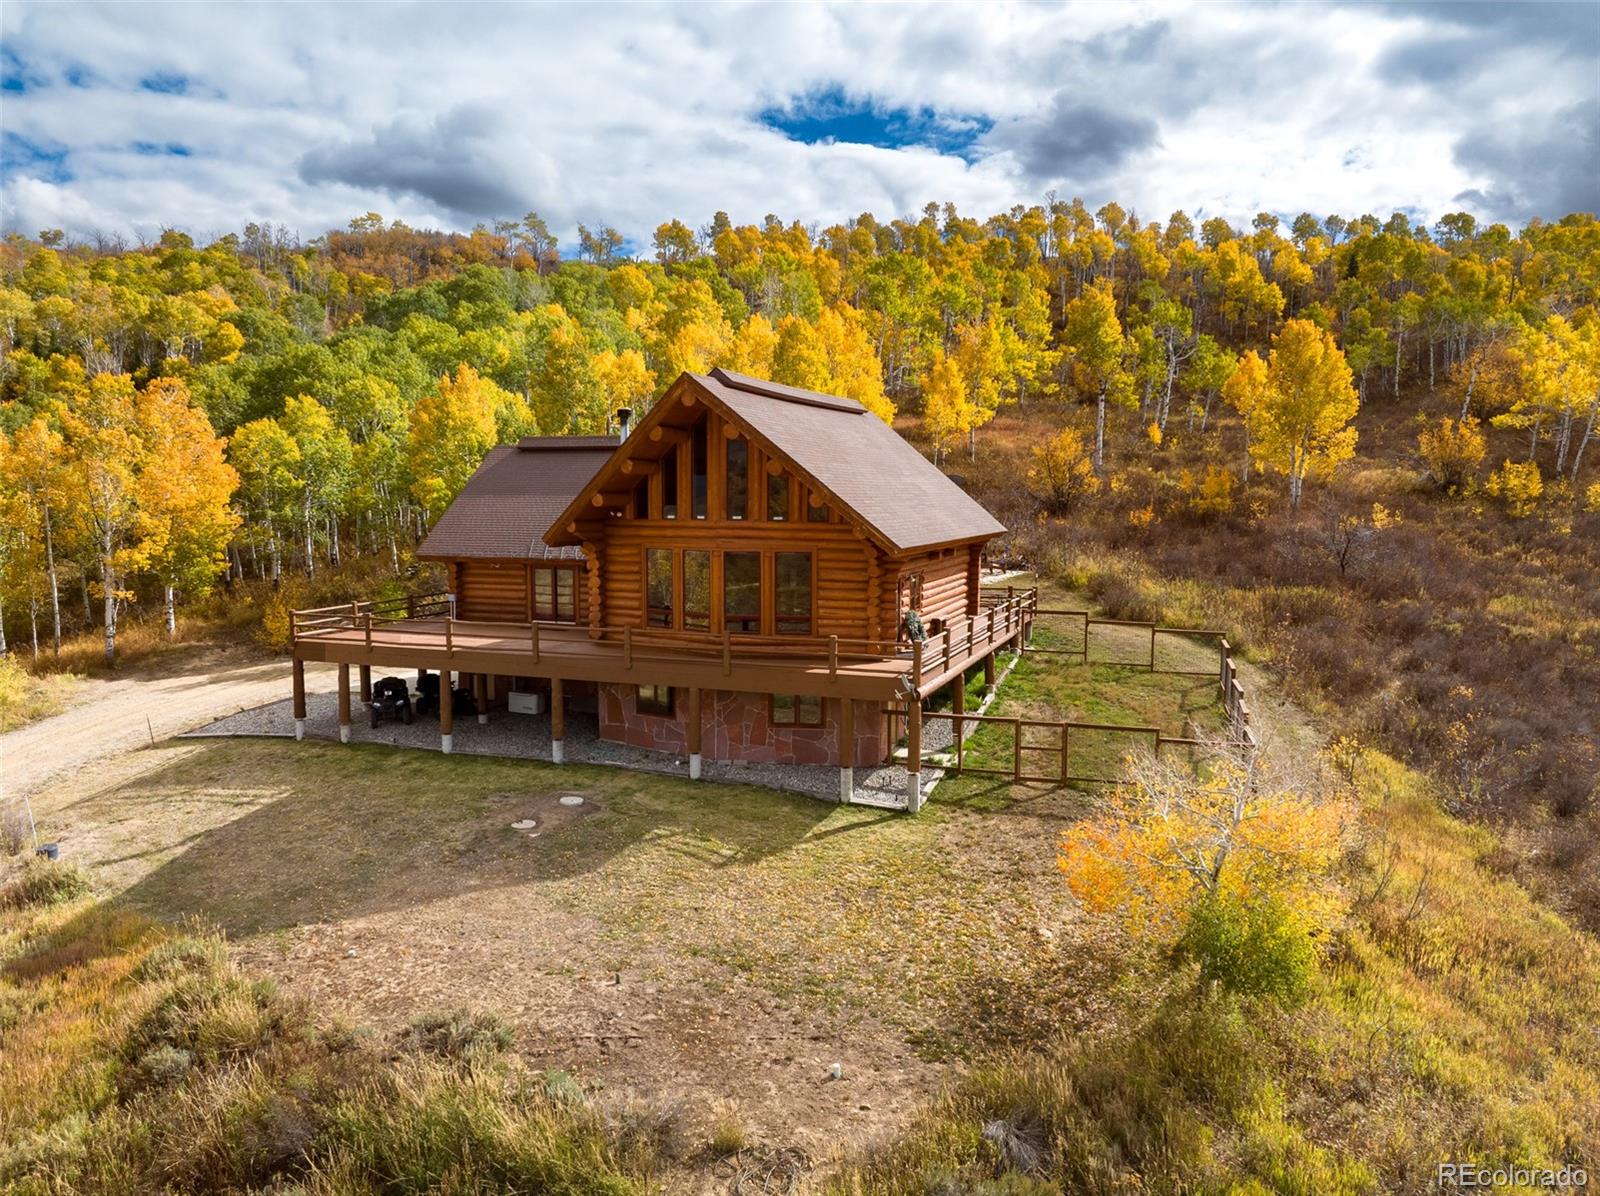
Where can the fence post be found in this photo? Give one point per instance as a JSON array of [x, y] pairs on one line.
[[449, 640], [369, 631], [1016, 752], [946, 645], [1152, 647], [916, 664], [1065, 731], [1085, 638]]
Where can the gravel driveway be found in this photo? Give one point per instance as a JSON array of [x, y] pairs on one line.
[[179, 691]]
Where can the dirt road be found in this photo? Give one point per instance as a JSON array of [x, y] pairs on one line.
[[177, 692]]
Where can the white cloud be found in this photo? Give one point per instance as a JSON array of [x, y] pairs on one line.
[[629, 115]]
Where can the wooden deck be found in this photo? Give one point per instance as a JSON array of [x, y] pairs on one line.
[[392, 636]]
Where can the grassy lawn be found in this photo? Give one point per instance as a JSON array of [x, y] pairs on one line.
[[1048, 684]]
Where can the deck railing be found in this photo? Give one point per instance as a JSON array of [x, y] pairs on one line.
[[401, 621]]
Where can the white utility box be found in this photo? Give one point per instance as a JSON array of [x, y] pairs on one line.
[[525, 703]]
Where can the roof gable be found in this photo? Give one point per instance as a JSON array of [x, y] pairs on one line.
[[837, 446]]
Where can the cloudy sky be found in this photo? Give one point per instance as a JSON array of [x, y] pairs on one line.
[[128, 118]]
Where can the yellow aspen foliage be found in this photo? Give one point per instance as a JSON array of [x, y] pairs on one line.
[[1154, 433], [752, 348], [106, 451], [1061, 473], [946, 411], [1168, 840], [1299, 422], [451, 430], [1452, 450], [625, 380], [1591, 498], [183, 494], [1517, 486]]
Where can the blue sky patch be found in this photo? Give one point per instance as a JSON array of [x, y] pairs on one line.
[[14, 76], [830, 115], [155, 149], [19, 156], [165, 83]]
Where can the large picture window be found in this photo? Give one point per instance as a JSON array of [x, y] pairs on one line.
[[658, 584], [741, 592], [553, 596], [793, 575], [696, 590], [738, 478]]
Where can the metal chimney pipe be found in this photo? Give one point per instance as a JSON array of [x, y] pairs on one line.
[[624, 418]]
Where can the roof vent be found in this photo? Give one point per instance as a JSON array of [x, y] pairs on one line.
[[624, 418]]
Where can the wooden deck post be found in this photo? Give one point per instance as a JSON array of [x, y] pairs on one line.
[[299, 702], [958, 707], [366, 683], [988, 668], [914, 754], [696, 731], [847, 750], [558, 722], [447, 713], [344, 703], [480, 697]]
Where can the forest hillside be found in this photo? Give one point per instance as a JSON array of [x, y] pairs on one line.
[[1363, 446]]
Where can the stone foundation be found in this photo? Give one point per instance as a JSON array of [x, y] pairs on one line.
[[737, 727]]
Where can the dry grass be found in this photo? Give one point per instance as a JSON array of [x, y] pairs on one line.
[[26, 697], [137, 1059]]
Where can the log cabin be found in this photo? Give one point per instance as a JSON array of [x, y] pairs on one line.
[[754, 572]]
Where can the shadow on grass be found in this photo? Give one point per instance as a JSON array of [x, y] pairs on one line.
[[330, 832]]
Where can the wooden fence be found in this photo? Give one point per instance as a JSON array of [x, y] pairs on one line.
[[1042, 750]]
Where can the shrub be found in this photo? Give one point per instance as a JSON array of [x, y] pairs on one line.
[[274, 630], [43, 882], [1209, 495], [728, 1132], [456, 1034], [1062, 473], [1591, 498], [1452, 450], [1517, 487], [1259, 949]]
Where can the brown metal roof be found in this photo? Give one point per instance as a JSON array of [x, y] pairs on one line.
[[507, 506], [839, 446]]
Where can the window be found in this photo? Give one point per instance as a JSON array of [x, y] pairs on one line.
[[793, 570], [669, 484], [741, 592], [796, 710], [738, 477], [696, 590], [817, 512], [654, 699], [778, 496], [697, 469], [641, 499], [552, 596], [658, 584]]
